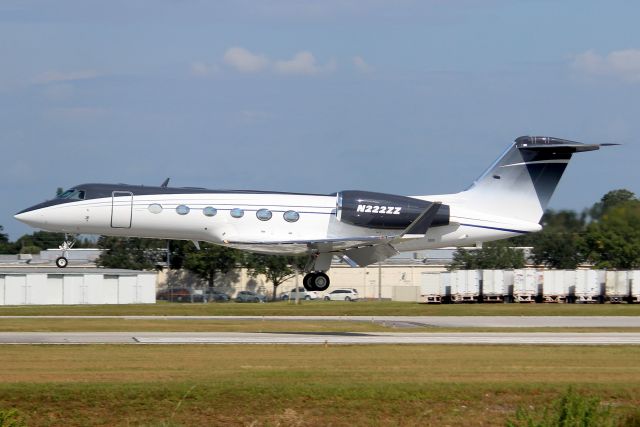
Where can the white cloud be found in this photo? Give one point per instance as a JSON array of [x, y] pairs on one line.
[[623, 64], [202, 69], [361, 65], [302, 63], [69, 76], [244, 61]]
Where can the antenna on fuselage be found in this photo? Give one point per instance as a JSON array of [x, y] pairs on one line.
[[165, 183]]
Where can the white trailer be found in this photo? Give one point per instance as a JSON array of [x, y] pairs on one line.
[[617, 286], [494, 286], [431, 288], [465, 285], [634, 283], [526, 285], [557, 284], [588, 286]]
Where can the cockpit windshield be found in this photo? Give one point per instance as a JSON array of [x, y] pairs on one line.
[[72, 194]]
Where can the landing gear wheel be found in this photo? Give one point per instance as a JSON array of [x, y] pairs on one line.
[[321, 282], [308, 282], [62, 261], [316, 282]]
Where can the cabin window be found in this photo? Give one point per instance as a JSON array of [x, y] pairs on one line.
[[237, 213], [291, 216], [155, 208], [264, 214], [72, 194], [209, 211], [182, 209]]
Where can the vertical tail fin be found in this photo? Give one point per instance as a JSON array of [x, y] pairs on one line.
[[520, 183]]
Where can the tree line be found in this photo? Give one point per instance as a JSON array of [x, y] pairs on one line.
[[208, 262]]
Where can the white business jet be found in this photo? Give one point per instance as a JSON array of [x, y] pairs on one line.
[[360, 227]]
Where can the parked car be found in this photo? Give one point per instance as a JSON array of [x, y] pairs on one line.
[[342, 294], [215, 295], [176, 295], [249, 296], [300, 293]]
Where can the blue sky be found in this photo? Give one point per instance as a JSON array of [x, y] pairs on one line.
[[408, 97]]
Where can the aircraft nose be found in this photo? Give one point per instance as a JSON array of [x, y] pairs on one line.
[[34, 215], [28, 216]]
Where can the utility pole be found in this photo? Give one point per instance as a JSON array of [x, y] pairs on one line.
[[379, 280]]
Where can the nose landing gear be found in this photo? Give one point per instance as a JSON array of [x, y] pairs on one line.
[[316, 281], [62, 261]]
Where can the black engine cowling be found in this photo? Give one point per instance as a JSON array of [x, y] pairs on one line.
[[385, 211]]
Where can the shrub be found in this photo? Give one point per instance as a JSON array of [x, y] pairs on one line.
[[11, 418], [570, 410]]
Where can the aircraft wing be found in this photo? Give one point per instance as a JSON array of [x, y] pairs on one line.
[[317, 245], [355, 250]]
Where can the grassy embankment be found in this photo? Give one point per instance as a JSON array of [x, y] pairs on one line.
[[325, 308], [305, 385]]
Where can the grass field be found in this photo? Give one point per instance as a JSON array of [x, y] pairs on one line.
[[232, 325], [271, 385], [325, 308], [305, 385]]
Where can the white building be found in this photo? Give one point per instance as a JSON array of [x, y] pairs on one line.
[[54, 286]]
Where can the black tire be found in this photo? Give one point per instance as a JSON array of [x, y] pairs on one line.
[[307, 298], [61, 262], [347, 298], [327, 299], [320, 282], [308, 282]]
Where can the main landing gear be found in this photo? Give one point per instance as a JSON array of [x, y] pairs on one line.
[[62, 261], [316, 281]]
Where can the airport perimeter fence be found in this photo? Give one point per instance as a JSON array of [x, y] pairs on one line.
[[531, 285]]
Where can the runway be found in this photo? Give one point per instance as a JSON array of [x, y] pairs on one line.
[[498, 338], [407, 321]]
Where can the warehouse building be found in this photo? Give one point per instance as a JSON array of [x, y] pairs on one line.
[[53, 286]]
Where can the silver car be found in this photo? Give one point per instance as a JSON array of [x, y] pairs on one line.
[[249, 296], [342, 294]]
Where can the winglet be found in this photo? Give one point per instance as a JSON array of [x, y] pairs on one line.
[[421, 224], [165, 183]]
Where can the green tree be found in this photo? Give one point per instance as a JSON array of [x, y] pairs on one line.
[[40, 239], [130, 253], [559, 244], [612, 199], [4, 238], [276, 268], [211, 260], [493, 255], [614, 240], [6, 247]]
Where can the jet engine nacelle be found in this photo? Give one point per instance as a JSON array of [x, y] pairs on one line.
[[385, 211]]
